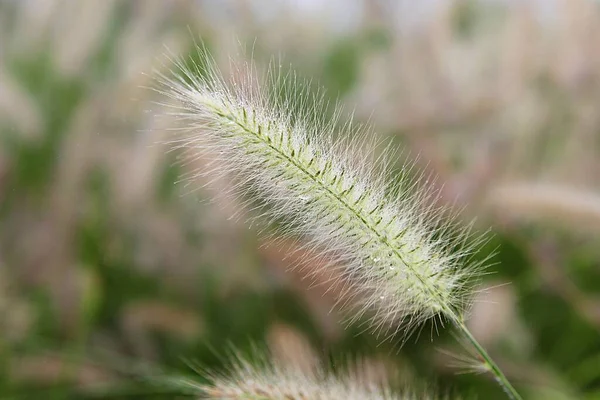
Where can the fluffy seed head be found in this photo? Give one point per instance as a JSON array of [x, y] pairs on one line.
[[388, 245], [263, 379]]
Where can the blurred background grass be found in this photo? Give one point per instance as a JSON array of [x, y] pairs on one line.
[[110, 273]]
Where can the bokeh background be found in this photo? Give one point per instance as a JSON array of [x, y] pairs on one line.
[[114, 276]]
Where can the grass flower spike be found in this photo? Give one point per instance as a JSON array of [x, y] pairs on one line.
[[267, 380], [340, 203], [391, 248]]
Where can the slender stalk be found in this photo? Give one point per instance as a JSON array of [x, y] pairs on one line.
[[492, 366]]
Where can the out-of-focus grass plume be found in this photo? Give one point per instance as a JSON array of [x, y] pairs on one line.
[[104, 263]]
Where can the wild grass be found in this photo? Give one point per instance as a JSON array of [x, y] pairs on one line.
[[398, 259]]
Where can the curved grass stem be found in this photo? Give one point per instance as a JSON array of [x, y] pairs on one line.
[[490, 364]]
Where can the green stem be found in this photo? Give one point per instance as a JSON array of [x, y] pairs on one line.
[[491, 365]]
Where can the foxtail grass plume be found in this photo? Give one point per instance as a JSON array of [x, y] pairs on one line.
[[266, 380], [388, 243], [390, 246]]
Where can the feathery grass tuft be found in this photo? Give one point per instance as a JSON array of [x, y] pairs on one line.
[[392, 248], [264, 379], [388, 241]]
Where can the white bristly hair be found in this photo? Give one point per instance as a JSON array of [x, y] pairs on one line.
[[264, 379], [389, 242]]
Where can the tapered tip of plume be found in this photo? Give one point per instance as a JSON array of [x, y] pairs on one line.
[[382, 237]]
